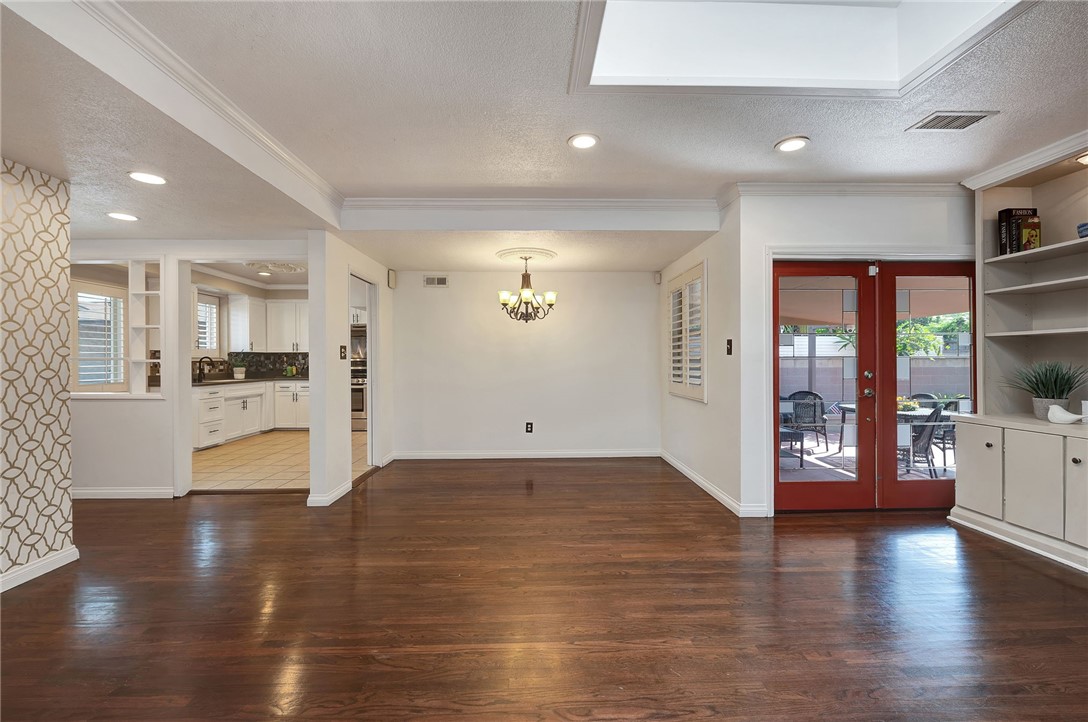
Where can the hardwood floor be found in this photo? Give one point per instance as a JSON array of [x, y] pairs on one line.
[[567, 590]]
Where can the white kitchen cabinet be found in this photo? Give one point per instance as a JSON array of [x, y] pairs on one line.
[[979, 468], [248, 323], [243, 416], [292, 405], [288, 326], [1034, 488], [358, 315], [228, 412], [1076, 491], [209, 417], [268, 407]]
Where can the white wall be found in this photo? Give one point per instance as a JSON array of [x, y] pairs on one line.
[[704, 440], [332, 262], [469, 377]]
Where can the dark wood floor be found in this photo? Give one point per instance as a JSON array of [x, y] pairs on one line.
[[568, 590]]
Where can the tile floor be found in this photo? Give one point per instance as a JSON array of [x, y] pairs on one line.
[[277, 460]]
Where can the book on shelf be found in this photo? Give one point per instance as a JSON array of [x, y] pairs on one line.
[[1031, 233], [1009, 228]]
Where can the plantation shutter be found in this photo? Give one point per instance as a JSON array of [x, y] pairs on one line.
[[686, 338], [99, 337], [207, 323]]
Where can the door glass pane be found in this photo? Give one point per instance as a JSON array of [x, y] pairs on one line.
[[933, 372], [817, 378]]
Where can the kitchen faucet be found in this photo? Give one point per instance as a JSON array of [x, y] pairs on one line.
[[200, 367]]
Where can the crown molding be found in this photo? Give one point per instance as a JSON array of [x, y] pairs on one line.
[[109, 38], [529, 214], [853, 189], [1062, 149]]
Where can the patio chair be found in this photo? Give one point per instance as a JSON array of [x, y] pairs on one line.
[[921, 444], [945, 437], [809, 415], [925, 400]]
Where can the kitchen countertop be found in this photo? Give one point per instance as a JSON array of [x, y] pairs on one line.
[[227, 382]]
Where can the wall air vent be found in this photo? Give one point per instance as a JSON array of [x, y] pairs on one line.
[[436, 281], [952, 120]]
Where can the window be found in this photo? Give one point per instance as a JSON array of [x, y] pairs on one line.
[[99, 338], [686, 302], [207, 325]]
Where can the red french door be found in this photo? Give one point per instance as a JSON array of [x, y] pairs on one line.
[[870, 360]]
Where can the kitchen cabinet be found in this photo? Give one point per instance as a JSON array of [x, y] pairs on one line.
[[288, 326], [248, 323], [242, 415], [1025, 481], [292, 405], [358, 315]]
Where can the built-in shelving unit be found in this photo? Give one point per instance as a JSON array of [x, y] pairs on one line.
[[144, 308], [1031, 305]]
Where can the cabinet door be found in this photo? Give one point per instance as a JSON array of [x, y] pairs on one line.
[[302, 418], [303, 325], [1076, 491], [978, 468], [251, 415], [268, 408], [258, 320], [233, 421], [1034, 493], [281, 326], [285, 409]]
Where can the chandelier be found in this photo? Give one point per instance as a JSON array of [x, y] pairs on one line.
[[525, 305]]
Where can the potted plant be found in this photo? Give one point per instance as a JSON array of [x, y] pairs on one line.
[[239, 368], [1050, 383]]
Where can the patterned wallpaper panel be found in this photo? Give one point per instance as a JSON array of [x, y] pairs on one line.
[[36, 478]]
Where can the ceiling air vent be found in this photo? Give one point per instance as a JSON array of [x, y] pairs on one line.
[[952, 120], [436, 281]]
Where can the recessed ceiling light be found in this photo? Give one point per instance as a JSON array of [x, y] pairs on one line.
[[582, 141], [1083, 159], [263, 273], [123, 216], [147, 178], [788, 145]]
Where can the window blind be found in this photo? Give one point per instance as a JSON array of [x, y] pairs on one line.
[[100, 339], [207, 323], [686, 338]]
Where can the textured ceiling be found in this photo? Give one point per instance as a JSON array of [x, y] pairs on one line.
[[475, 250], [242, 271], [64, 117], [452, 99]]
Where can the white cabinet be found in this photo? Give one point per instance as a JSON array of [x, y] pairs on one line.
[[268, 407], [248, 323], [978, 468], [1076, 491], [243, 415], [288, 324], [1034, 489], [1025, 481], [209, 415], [358, 315], [293, 405]]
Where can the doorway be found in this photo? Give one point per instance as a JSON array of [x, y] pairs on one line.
[[871, 361]]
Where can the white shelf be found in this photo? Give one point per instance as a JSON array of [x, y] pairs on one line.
[[1040, 332], [146, 326], [1064, 284], [145, 360], [1057, 250], [143, 293]]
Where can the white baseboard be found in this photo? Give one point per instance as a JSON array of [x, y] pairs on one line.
[[31, 570], [389, 458], [124, 492], [741, 510], [1056, 549], [527, 454], [326, 499]]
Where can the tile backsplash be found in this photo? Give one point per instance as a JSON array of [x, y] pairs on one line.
[[271, 364]]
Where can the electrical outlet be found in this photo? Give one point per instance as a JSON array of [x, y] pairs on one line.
[[528, 427], [343, 352]]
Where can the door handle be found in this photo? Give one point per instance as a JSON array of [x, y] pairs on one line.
[[868, 393]]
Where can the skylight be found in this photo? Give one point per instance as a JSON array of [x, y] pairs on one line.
[[833, 47]]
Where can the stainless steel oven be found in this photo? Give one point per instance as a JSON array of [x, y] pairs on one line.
[[358, 404]]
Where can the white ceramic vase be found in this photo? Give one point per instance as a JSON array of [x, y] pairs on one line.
[[240, 373], [1043, 405]]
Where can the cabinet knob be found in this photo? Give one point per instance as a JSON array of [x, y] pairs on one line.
[[989, 444], [1076, 460]]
